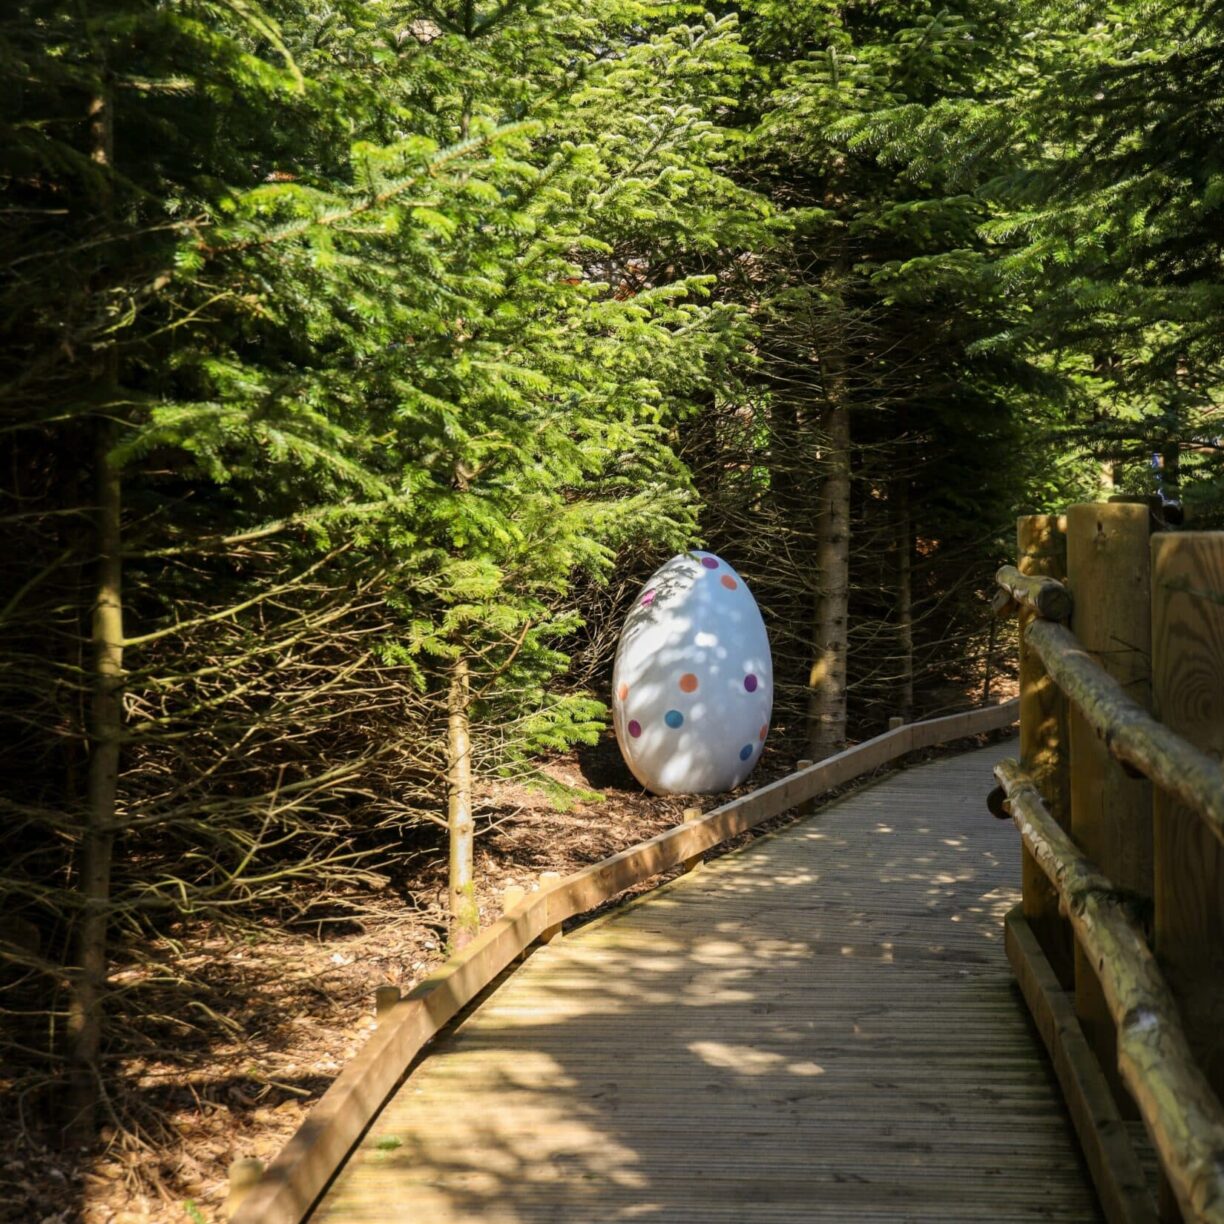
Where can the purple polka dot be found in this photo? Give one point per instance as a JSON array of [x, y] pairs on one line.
[[634, 728], [648, 599], [710, 562], [674, 719], [751, 682], [745, 752]]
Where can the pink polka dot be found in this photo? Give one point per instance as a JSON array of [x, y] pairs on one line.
[[751, 682], [648, 599], [634, 728], [623, 691], [710, 562]]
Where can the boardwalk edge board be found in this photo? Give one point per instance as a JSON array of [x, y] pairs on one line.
[[1103, 1136], [300, 1173]]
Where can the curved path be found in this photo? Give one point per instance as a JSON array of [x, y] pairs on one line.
[[821, 1026]]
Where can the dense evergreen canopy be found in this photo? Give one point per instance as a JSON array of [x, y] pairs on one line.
[[360, 356]]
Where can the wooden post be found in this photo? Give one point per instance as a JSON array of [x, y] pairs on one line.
[[385, 998], [1108, 571], [1041, 551], [243, 1174], [1188, 871], [691, 814], [547, 880], [808, 805], [512, 895], [895, 722]]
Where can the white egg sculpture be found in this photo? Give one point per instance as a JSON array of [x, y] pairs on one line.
[[692, 685]]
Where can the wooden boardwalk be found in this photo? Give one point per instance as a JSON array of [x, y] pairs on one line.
[[819, 1027]]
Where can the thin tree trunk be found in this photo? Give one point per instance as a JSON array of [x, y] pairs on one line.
[[827, 679], [903, 539], [87, 988], [97, 837], [464, 915]]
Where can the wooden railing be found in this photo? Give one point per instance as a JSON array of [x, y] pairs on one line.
[[1119, 798], [285, 1193]]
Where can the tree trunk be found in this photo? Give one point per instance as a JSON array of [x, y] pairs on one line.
[[903, 541], [97, 837], [827, 680], [464, 915], [87, 986]]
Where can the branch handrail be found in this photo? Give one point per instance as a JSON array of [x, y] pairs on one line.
[[295, 1178], [1130, 733], [1046, 597], [1180, 1111]]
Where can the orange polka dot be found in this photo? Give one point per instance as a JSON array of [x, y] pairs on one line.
[[729, 582], [623, 691], [764, 732], [688, 683]]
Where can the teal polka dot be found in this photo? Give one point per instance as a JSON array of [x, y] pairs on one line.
[[674, 719]]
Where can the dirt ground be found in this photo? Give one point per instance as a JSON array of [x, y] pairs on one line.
[[300, 1004]]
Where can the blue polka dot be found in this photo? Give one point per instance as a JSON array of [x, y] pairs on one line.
[[745, 752], [674, 719]]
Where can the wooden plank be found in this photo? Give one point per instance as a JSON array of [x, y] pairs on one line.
[[1188, 697], [1183, 1116], [819, 1027], [303, 1167], [1109, 570], [1104, 1139], [1041, 550]]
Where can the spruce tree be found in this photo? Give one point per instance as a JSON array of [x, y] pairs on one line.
[[1114, 217], [370, 333]]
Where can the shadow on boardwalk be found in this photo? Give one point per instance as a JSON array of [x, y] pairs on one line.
[[820, 1027]]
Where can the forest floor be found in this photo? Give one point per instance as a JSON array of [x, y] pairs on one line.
[[299, 1004]]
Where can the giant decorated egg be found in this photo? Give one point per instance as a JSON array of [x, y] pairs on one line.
[[692, 686]]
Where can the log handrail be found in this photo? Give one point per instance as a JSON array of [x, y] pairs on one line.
[[1133, 1013], [1130, 733], [1182, 1114], [1047, 597], [299, 1174]]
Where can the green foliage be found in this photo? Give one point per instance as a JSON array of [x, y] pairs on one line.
[[413, 322], [1109, 220], [393, 312]]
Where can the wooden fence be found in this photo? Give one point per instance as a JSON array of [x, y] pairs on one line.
[[1118, 944], [285, 1193]]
